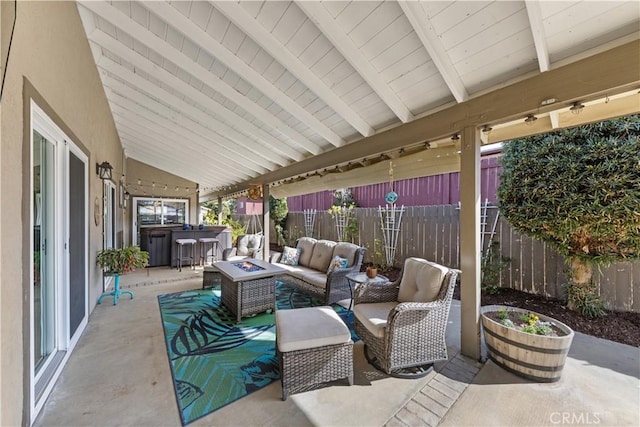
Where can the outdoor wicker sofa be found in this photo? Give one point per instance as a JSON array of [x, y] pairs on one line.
[[311, 272], [403, 323]]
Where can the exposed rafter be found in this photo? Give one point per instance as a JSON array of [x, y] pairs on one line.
[[236, 14], [242, 140], [537, 30], [131, 132], [178, 58], [610, 72], [345, 45], [178, 121], [426, 33], [220, 52], [164, 76], [179, 135]]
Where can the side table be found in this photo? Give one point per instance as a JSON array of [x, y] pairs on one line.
[[355, 279]]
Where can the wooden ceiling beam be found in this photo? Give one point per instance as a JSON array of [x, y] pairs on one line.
[[112, 45], [236, 14], [345, 45], [165, 49], [613, 71], [217, 50], [280, 155], [433, 44], [534, 12]]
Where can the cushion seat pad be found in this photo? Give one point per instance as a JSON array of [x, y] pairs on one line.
[[310, 327], [307, 274], [373, 316]]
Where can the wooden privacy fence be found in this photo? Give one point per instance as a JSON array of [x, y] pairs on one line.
[[432, 232]]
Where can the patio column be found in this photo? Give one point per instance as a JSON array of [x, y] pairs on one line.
[[219, 210], [470, 251], [265, 222]]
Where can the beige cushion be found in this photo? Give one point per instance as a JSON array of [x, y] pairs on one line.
[[310, 327], [296, 271], [315, 278], [346, 250], [322, 255], [421, 280], [374, 316], [292, 270], [255, 240], [305, 244], [242, 245]]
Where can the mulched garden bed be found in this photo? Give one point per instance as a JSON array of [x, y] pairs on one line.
[[615, 326]]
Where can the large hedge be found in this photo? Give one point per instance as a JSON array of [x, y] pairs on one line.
[[577, 189]]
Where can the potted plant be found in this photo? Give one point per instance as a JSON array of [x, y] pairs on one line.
[[526, 343], [117, 261]]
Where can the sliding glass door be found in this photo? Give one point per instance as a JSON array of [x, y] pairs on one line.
[[44, 268], [59, 242]]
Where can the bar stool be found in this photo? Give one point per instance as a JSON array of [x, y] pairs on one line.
[[191, 243], [204, 249]]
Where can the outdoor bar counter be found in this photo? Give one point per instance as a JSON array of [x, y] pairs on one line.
[[160, 241]]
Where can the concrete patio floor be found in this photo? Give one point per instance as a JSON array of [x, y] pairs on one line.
[[119, 375]]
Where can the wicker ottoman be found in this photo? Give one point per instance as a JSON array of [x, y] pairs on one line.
[[314, 346]]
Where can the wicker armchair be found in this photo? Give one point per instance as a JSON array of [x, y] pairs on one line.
[[403, 323], [247, 246]]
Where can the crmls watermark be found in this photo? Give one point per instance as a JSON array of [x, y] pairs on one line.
[[579, 418]]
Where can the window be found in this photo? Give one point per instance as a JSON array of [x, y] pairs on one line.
[[153, 212]]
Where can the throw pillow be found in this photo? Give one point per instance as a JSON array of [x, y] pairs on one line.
[[290, 256], [337, 262]]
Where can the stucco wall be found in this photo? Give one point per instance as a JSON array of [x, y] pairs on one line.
[[50, 60]]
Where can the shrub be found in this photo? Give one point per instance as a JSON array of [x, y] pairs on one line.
[[579, 190]]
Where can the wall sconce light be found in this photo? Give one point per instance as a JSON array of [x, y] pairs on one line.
[[576, 108], [486, 129], [530, 119], [127, 195], [103, 170]]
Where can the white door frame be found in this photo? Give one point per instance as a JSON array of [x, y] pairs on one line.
[[63, 146]]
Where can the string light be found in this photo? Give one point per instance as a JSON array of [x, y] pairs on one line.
[[530, 119], [576, 108]]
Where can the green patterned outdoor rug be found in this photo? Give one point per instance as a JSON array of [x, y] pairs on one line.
[[214, 360]]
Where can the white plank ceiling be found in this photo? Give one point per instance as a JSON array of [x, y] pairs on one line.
[[221, 92]]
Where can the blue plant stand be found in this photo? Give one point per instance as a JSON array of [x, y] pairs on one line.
[[116, 291]]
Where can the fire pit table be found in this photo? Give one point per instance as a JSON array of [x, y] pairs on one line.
[[249, 286]]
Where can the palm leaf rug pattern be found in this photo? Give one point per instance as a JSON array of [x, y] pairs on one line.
[[214, 360]]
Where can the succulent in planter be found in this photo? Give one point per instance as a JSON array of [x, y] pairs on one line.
[[122, 260], [528, 344]]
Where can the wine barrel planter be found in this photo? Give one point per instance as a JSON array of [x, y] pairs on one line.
[[536, 357]]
